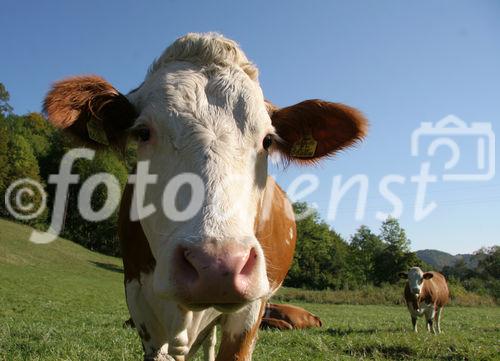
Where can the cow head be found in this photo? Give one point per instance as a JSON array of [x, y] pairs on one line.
[[316, 321], [415, 277], [206, 133]]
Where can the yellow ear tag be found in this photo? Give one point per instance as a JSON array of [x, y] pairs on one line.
[[305, 147], [96, 132]]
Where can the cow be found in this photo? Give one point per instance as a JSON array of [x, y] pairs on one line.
[[288, 317], [226, 236], [425, 293]]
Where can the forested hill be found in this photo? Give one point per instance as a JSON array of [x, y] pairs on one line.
[[439, 259]]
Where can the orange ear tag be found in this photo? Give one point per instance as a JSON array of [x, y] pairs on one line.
[[305, 147], [96, 132]]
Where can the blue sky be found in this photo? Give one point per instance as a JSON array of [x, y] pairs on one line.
[[400, 63]]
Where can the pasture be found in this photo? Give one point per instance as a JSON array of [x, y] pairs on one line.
[[63, 302]]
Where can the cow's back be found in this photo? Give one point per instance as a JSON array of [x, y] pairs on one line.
[[435, 290]]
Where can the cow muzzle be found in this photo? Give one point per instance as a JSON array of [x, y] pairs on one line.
[[224, 275]]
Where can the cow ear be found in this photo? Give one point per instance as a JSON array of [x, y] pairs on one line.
[[403, 275], [313, 129], [90, 109], [427, 276]]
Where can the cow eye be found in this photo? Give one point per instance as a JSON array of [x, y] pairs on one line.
[[267, 142], [142, 134]]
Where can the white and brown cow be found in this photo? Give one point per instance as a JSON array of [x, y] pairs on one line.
[[426, 293], [200, 117]]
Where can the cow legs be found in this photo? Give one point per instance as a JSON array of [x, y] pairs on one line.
[[178, 340], [160, 343], [209, 345], [414, 323], [437, 319], [146, 323], [414, 312], [275, 323], [430, 328], [429, 316]]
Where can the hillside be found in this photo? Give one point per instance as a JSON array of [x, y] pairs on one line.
[[440, 259], [51, 294], [437, 259], [61, 258]]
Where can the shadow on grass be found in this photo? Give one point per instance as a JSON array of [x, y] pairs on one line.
[[388, 352], [356, 331], [108, 266], [400, 352], [349, 331]]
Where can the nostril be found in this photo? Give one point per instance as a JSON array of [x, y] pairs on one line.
[[250, 263]]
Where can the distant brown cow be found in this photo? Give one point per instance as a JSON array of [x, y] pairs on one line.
[[288, 317], [425, 293]]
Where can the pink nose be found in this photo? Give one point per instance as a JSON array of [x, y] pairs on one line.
[[215, 274]]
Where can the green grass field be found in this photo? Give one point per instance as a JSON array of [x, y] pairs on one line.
[[63, 302]]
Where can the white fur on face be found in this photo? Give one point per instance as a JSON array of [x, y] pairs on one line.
[[208, 121], [415, 279]]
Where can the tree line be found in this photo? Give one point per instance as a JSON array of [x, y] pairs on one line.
[[325, 260], [483, 276], [31, 147]]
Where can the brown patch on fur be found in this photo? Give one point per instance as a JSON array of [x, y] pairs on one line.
[[333, 125], [137, 256], [297, 317], [434, 291], [273, 231], [73, 102]]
